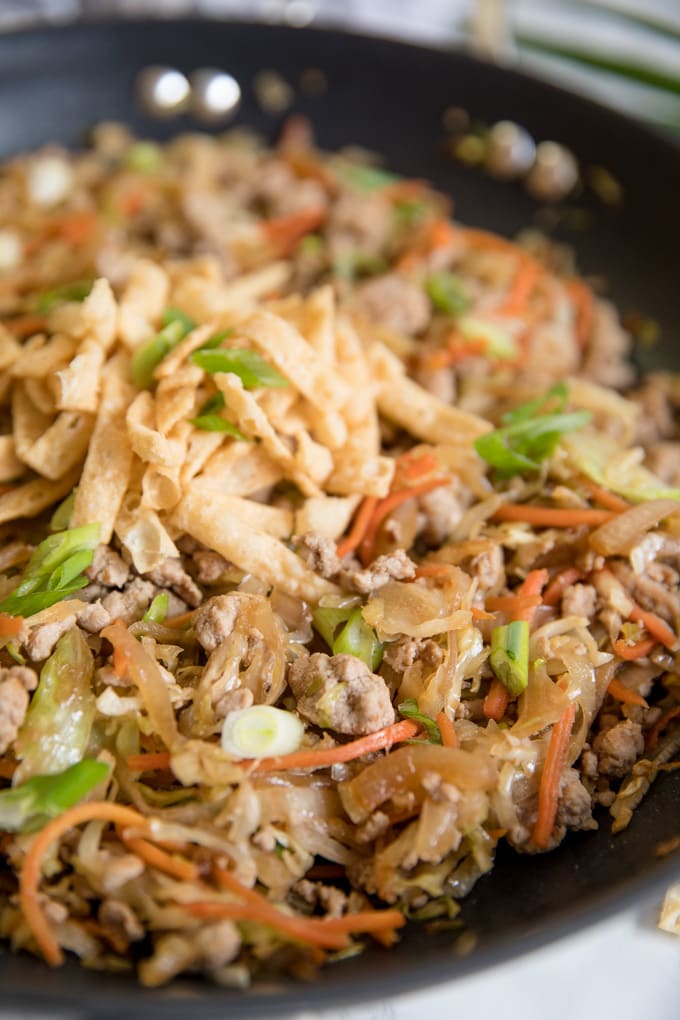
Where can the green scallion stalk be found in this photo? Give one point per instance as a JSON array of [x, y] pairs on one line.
[[409, 709], [253, 371], [76, 291], [509, 657], [448, 293], [176, 325], [55, 570], [30, 806], [345, 631], [158, 609], [143, 156], [61, 518], [216, 423]]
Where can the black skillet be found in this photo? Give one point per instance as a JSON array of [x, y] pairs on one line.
[[389, 97]]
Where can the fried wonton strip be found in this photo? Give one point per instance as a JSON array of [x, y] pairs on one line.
[[313, 458], [241, 469], [326, 515], [319, 325], [176, 397], [78, 383], [10, 348], [148, 443], [205, 299], [145, 538], [253, 422], [142, 303], [11, 467], [172, 362], [200, 448], [62, 446], [33, 497], [40, 393], [297, 360], [419, 412], [273, 520], [41, 358], [253, 551], [28, 422], [106, 472]]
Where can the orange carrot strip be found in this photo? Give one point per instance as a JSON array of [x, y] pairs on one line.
[[661, 724], [283, 232], [522, 288], [10, 626], [622, 693], [530, 588], [411, 467], [485, 240], [549, 787], [656, 627], [385, 507], [179, 621], [446, 730], [514, 605], [434, 570], [584, 305], [403, 190], [497, 700], [552, 517], [358, 529], [441, 234], [638, 650], [559, 584], [297, 928], [29, 881], [156, 858], [605, 497], [148, 762], [378, 741], [77, 227], [480, 614]]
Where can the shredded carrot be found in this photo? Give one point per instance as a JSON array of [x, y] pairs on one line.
[[483, 239], [180, 621], [559, 584], [359, 525], [156, 858], [24, 326], [549, 787], [446, 730], [10, 626], [298, 928], [434, 570], [584, 305], [638, 650], [497, 833], [514, 605], [132, 202], [399, 191], [148, 762], [656, 627], [605, 497], [458, 350], [378, 741], [78, 227], [410, 467], [497, 700], [29, 881], [661, 724], [441, 234], [522, 288], [284, 232], [385, 507], [531, 587], [622, 693], [552, 517], [480, 614], [7, 768]]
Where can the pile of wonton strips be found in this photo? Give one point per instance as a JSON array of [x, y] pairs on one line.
[[147, 475]]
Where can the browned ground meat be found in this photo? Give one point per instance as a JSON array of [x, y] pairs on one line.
[[663, 459], [13, 706], [108, 568], [442, 510], [131, 603], [579, 600], [403, 652], [43, 638], [171, 574], [214, 621], [395, 566], [575, 806], [340, 693], [395, 303], [618, 747], [210, 566], [318, 552]]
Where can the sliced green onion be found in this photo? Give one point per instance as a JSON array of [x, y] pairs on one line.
[[55, 570], [409, 212], [346, 633], [30, 806], [252, 370], [176, 325], [552, 402], [76, 291], [158, 609], [448, 293], [360, 177], [213, 404], [353, 264], [143, 156], [261, 731], [61, 518], [523, 446], [216, 339], [409, 709], [498, 342], [509, 657], [216, 423]]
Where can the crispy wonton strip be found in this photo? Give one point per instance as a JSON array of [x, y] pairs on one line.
[[148, 443], [421, 413], [145, 538], [10, 348], [273, 520], [205, 299], [11, 467], [40, 359], [33, 497], [62, 446], [319, 322], [109, 458], [254, 423], [78, 383], [326, 515], [240, 469], [253, 551], [142, 303], [172, 362], [28, 421], [297, 360], [176, 397]]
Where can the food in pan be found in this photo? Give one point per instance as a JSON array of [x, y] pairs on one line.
[[340, 542]]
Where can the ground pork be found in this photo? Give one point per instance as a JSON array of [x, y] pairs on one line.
[[217, 944], [340, 693], [318, 552], [442, 510], [575, 806], [118, 915], [395, 566], [440, 382], [333, 901], [657, 420], [210, 566], [395, 303], [214, 621], [579, 600], [606, 360], [489, 569], [15, 683], [664, 460], [42, 639], [359, 222], [403, 652], [131, 603], [94, 617], [650, 593], [171, 574], [108, 568], [619, 747]]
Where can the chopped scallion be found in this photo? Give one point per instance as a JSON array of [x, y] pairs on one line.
[[158, 609], [447, 292], [252, 370], [30, 806], [76, 291], [55, 570], [409, 709], [346, 632], [216, 423], [143, 156], [176, 325], [261, 731], [509, 657]]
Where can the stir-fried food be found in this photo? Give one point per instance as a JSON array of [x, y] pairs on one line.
[[339, 543]]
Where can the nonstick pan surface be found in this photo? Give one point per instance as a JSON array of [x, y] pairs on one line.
[[389, 97]]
